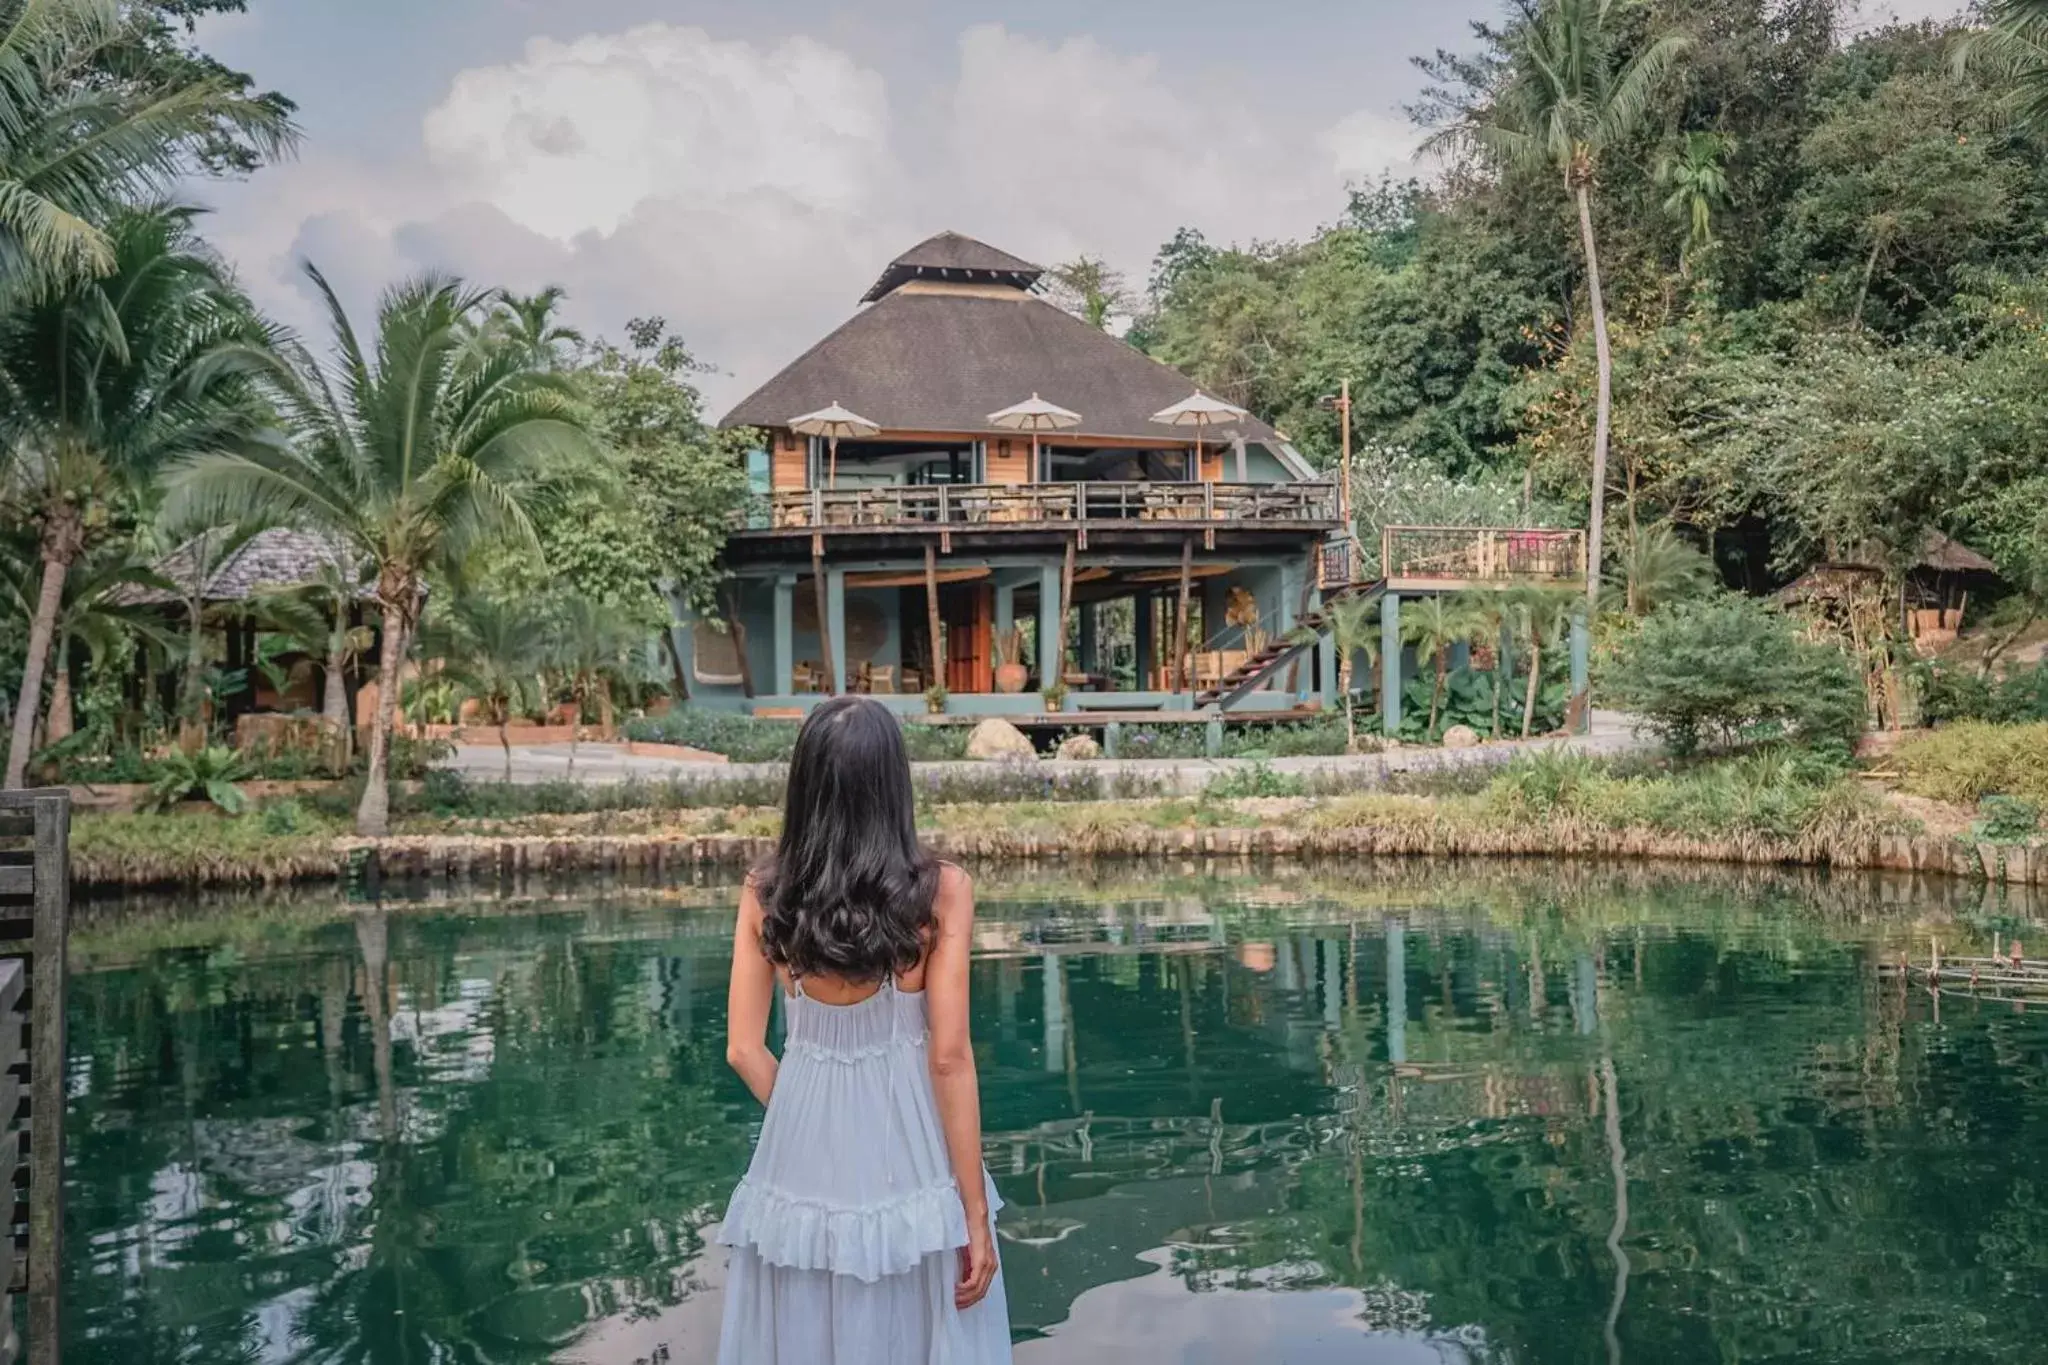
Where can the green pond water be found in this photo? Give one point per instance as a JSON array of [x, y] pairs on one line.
[[1390, 1114]]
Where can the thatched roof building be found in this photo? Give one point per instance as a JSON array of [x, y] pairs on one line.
[[269, 561], [952, 331]]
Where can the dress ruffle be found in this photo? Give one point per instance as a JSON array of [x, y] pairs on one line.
[[869, 1243]]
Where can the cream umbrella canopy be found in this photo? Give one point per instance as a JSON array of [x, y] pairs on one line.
[[1200, 412], [833, 423], [1034, 415]]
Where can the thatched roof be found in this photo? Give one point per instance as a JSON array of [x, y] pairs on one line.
[[934, 359], [1951, 556], [268, 561], [1938, 554], [952, 258]]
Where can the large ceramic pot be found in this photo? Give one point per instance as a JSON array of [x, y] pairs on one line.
[[1010, 678]]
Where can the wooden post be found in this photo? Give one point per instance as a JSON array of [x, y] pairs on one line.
[[1180, 620], [1059, 651], [39, 891], [831, 681], [931, 603], [1308, 597], [739, 637]]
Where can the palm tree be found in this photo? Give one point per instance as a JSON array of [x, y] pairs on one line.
[[93, 614], [2013, 47], [528, 321], [74, 152], [317, 617], [1488, 610], [196, 556], [100, 386], [1571, 91], [1653, 566], [407, 454], [1088, 288], [1434, 626], [1539, 617], [1353, 627], [589, 642], [1697, 176], [494, 652]]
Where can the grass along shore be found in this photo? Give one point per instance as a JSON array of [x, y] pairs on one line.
[[1775, 807]]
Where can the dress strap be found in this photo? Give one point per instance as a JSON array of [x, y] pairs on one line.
[[796, 986]]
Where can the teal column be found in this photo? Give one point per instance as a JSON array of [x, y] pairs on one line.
[[1290, 596], [1112, 739], [1506, 657], [835, 617], [1141, 615], [1390, 664], [1291, 584], [1582, 668], [1397, 992], [1212, 737], [1049, 668], [1461, 655], [1327, 673], [1006, 618], [782, 684]]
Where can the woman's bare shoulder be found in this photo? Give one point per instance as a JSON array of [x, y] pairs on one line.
[[956, 891]]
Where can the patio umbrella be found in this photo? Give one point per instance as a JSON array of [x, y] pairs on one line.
[[1034, 415], [833, 423], [1200, 412]]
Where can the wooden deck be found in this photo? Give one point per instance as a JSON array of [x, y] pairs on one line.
[[1449, 558], [1083, 507]]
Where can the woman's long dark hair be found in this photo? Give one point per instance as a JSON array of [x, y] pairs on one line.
[[849, 890]]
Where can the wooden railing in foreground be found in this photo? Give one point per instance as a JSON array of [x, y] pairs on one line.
[[1454, 555], [955, 506], [35, 890]]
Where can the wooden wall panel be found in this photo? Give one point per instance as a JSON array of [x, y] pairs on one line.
[[789, 456], [1009, 461], [1212, 465]]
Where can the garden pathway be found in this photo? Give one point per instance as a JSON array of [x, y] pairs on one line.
[[1613, 733]]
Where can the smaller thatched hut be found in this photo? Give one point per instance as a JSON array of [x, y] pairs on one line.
[[1933, 595]]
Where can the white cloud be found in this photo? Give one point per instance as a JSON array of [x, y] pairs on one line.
[[749, 193], [1874, 13], [1366, 145], [575, 136]]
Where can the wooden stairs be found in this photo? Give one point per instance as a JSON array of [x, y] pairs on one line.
[[1252, 674]]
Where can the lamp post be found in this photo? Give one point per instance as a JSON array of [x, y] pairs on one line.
[[1340, 403]]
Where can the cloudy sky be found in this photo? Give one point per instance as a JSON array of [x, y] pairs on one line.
[[744, 168]]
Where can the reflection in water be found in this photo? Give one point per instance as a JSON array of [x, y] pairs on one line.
[[1439, 1122]]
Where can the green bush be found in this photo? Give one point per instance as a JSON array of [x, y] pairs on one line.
[[210, 774], [1733, 670], [2008, 820], [936, 743], [1966, 763], [1950, 693], [285, 818], [751, 739], [1258, 779], [1782, 793], [741, 738]]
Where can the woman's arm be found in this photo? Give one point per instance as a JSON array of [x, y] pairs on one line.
[[954, 1082], [748, 1001]]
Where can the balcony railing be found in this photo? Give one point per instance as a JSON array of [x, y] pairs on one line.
[[957, 506], [1481, 554]]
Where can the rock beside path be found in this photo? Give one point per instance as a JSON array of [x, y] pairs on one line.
[[1079, 748], [996, 739]]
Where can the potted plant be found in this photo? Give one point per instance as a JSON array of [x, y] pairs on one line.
[[1055, 696], [1011, 674], [935, 699]]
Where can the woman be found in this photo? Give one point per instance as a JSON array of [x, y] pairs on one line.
[[862, 1233]]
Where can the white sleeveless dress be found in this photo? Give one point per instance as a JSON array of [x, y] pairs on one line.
[[845, 1233]]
